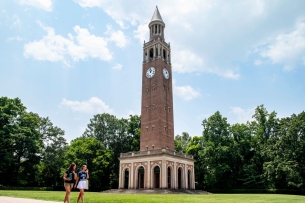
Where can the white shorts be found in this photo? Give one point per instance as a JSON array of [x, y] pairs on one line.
[[82, 185]]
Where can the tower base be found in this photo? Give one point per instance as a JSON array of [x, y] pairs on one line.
[[161, 168]]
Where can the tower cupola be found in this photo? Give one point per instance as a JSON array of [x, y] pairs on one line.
[[156, 26]]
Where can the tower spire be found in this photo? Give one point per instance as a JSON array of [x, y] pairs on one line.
[[156, 16]]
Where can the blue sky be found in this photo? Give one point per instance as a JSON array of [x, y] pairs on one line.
[[72, 59]]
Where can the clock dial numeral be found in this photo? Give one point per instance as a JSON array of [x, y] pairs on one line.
[[165, 73], [150, 72]]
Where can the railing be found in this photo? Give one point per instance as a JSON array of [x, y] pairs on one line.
[[153, 41], [156, 151]]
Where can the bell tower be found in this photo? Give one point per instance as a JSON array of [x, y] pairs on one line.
[[157, 164], [157, 117]]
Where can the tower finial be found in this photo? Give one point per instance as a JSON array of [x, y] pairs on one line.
[[156, 15]]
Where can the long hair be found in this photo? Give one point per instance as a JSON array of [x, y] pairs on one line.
[[71, 167]]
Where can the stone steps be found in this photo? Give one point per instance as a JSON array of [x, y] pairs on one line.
[[154, 191]]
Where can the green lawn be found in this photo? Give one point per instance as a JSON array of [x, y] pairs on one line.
[[95, 197]]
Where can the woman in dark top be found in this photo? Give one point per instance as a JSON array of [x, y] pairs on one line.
[[69, 178], [81, 180]]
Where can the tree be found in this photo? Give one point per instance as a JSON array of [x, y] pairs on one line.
[[53, 153], [181, 142], [90, 151], [117, 135]]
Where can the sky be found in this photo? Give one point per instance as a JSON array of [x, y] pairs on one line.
[[69, 60]]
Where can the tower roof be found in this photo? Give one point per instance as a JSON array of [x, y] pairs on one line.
[[156, 16]]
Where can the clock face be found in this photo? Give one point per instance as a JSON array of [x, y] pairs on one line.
[[150, 72], [165, 73]]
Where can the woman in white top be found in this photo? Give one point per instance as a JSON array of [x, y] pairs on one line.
[[81, 181]]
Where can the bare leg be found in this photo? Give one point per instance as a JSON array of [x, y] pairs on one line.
[[79, 196], [67, 196], [82, 192]]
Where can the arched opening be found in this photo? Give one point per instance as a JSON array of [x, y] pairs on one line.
[[179, 178], [157, 51], [126, 179], [140, 182], [164, 54], [169, 178], [189, 179], [156, 177], [151, 53]]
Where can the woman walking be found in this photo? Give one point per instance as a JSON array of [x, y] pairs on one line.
[[69, 178], [81, 180]]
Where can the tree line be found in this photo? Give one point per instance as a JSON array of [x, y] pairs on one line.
[[267, 152]]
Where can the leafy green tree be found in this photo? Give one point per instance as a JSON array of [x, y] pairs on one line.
[[53, 153], [90, 151], [117, 135], [193, 148], [181, 142], [216, 153]]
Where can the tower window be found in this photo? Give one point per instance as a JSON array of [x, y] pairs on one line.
[[153, 128], [155, 29], [147, 129], [169, 109], [164, 54], [153, 107], [164, 107], [151, 53], [164, 128], [153, 87], [146, 108]]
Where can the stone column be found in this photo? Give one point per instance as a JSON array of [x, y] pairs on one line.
[[175, 186], [163, 175], [120, 177], [149, 175], [186, 177], [131, 176], [193, 179]]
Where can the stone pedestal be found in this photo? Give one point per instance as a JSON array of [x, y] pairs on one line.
[[153, 169]]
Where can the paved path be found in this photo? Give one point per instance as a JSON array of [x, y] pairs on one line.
[[21, 200]]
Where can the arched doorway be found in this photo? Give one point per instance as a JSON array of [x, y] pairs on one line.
[[126, 179], [189, 179], [169, 178], [140, 182], [156, 177], [180, 178]]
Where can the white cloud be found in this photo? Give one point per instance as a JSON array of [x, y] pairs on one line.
[[185, 92], [257, 62], [117, 36], [117, 66], [242, 115], [186, 61], [286, 49], [55, 48], [14, 38], [91, 27], [92, 106], [141, 33], [41, 4], [91, 3], [16, 22]]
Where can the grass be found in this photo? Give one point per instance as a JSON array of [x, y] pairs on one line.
[[95, 197]]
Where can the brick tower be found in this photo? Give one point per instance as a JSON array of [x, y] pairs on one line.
[[157, 120], [157, 164]]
